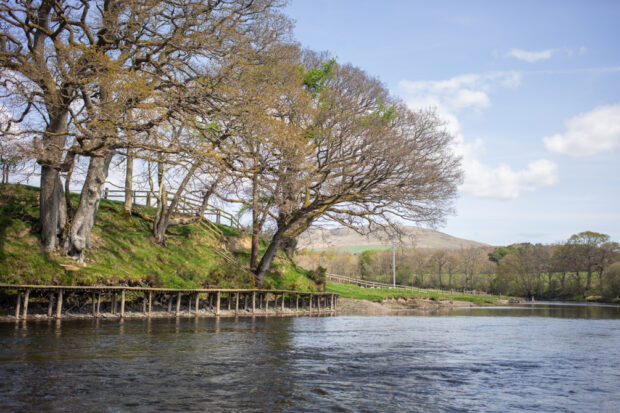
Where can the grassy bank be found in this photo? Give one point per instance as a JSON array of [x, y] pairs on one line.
[[123, 252], [353, 291]]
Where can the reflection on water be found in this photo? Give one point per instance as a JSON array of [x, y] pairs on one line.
[[545, 309], [545, 357]]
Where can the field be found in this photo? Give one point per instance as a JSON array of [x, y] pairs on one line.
[[353, 291]]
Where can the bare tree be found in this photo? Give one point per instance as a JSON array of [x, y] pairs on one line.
[[358, 157], [439, 260]]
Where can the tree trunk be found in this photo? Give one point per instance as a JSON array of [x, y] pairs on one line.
[[50, 207], [162, 198], [265, 262], [71, 164], [163, 219], [129, 182], [84, 218], [51, 195], [600, 280], [255, 229], [440, 280], [207, 195]]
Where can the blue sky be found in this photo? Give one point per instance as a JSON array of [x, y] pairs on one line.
[[530, 89]]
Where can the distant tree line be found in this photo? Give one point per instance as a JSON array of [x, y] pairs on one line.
[[587, 264], [212, 98]]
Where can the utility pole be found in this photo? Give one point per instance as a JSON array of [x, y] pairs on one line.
[[393, 265]]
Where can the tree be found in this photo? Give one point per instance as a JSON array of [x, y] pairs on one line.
[[359, 157], [497, 254], [527, 263], [439, 259], [612, 286], [586, 245], [470, 262], [452, 264], [13, 154], [608, 253], [419, 264], [562, 262], [267, 133], [106, 71], [367, 264]]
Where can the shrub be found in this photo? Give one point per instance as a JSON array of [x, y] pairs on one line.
[[319, 276]]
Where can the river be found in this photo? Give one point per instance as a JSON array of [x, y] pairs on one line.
[[543, 357]]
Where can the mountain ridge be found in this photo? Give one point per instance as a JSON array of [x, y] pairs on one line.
[[414, 237]]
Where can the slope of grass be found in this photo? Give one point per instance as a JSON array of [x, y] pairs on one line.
[[353, 291], [124, 252]]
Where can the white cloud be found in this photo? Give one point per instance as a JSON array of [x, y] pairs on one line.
[[588, 133], [531, 56], [460, 92], [503, 182], [471, 91]]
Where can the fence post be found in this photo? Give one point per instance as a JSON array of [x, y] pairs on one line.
[[59, 305], [122, 303], [105, 193], [18, 305]]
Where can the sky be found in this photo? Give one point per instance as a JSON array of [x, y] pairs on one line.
[[529, 89]]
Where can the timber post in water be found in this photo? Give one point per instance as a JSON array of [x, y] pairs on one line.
[[37, 301]]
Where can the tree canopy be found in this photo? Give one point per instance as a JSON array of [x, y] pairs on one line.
[[215, 96]]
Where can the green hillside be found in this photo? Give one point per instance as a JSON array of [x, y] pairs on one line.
[[123, 252]]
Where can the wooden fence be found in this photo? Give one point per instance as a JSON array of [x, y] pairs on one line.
[[373, 284], [127, 301], [187, 205]]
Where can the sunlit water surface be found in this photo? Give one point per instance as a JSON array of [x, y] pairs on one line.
[[523, 358]]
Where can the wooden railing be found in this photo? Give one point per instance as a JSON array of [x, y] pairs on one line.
[[342, 279], [187, 205]]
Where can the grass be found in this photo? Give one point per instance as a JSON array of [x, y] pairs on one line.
[[361, 293], [123, 251]]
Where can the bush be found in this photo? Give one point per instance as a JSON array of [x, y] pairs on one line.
[[319, 276], [611, 284], [153, 279]]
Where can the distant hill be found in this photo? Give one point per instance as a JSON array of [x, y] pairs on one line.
[[347, 239]]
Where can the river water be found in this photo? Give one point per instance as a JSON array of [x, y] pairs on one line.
[[525, 358]]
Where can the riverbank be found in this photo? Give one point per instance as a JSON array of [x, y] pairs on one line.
[[124, 252], [391, 305]]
